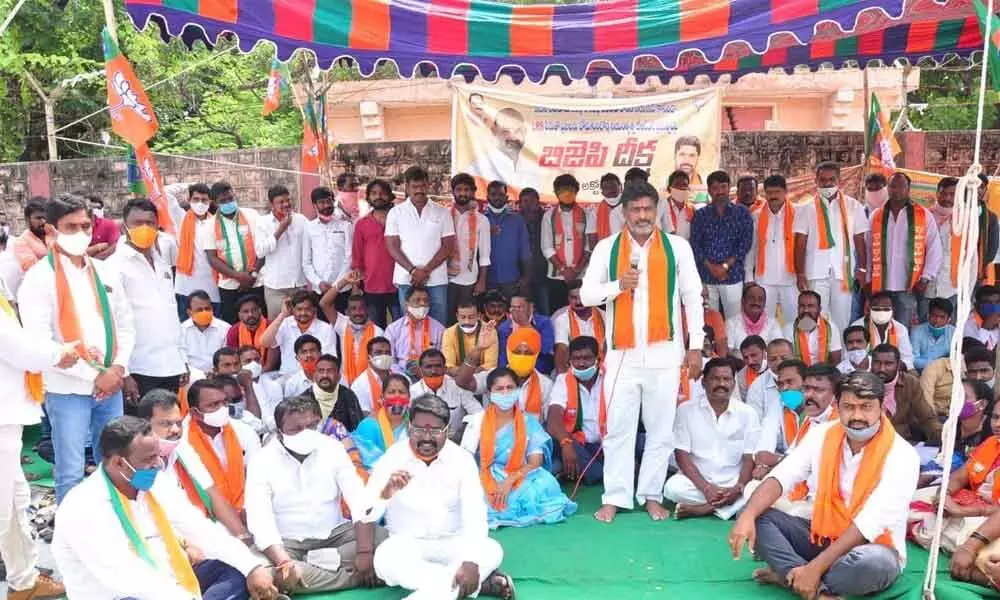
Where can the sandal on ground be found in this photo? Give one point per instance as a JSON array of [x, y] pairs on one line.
[[498, 585]]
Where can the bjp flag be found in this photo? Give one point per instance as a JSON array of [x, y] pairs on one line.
[[154, 186], [310, 150], [132, 116], [273, 99]]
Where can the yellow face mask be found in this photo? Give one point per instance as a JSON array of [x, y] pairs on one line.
[[566, 196], [521, 364], [143, 236]]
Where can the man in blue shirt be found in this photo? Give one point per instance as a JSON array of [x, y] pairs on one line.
[[522, 314], [932, 340], [721, 236], [510, 253]]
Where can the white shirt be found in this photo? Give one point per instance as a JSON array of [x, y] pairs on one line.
[[888, 505], [231, 231], [96, 559], [561, 321], [902, 340], [469, 263], [269, 395], [36, 302], [777, 247], [361, 386], [673, 219], [443, 500], [196, 469], [288, 332], [291, 500], [22, 352], [282, 268], [990, 337], [10, 272], [716, 445], [202, 276], [589, 400], [199, 346], [762, 395], [327, 251], [149, 290], [573, 233], [598, 288], [494, 164], [736, 331], [340, 328], [296, 383], [543, 381], [825, 264], [460, 401], [789, 333], [897, 253], [420, 237]]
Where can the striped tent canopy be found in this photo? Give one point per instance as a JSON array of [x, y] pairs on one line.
[[492, 37]]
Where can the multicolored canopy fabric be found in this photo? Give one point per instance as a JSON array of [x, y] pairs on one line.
[[491, 36]]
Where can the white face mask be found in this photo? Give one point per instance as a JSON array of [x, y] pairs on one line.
[[303, 443], [418, 312], [254, 368], [496, 210], [97, 212], [199, 208], [74, 244], [468, 328], [614, 200], [829, 193], [881, 316], [807, 323], [680, 196], [382, 362], [857, 356], [217, 418]]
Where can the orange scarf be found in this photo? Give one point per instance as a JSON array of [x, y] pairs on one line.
[[750, 377], [573, 414], [28, 250], [603, 220], [230, 480], [69, 322], [533, 403], [245, 337], [891, 336], [375, 387], [425, 337], [674, 216], [662, 273], [385, 427], [185, 243], [801, 490], [356, 361], [983, 461], [826, 239], [182, 401], [245, 249], [473, 237], [831, 516], [596, 320], [487, 450], [916, 221], [579, 220], [793, 430], [684, 390], [763, 227], [32, 381], [823, 351]]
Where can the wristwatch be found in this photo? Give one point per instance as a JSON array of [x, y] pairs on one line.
[[725, 266]]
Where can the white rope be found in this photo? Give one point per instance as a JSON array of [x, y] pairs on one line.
[[964, 222], [11, 15]]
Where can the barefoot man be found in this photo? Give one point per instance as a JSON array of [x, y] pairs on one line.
[[644, 275], [860, 475]]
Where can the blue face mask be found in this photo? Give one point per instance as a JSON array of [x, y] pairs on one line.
[[229, 208], [504, 401], [937, 331], [585, 374], [792, 399], [142, 479]]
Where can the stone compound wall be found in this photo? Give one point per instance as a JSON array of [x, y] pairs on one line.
[[753, 152]]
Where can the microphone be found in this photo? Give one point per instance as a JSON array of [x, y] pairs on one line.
[[634, 263]]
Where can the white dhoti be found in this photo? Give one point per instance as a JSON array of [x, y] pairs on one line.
[[680, 490], [835, 302], [785, 295], [428, 567], [631, 385], [20, 556]]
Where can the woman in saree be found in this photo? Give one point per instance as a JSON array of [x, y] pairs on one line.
[[973, 491], [514, 454], [380, 430]]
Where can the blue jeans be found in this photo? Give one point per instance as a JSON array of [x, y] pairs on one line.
[[75, 420], [904, 307], [219, 581], [439, 301]]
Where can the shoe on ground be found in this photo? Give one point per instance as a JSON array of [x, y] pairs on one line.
[[45, 587]]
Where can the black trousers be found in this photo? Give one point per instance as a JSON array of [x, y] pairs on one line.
[[383, 308], [457, 294], [229, 298], [148, 383]]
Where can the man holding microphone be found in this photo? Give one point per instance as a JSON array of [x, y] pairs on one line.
[[644, 276]]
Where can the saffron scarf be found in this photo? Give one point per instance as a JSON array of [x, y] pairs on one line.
[[793, 428], [32, 381], [195, 492], [245, 337], [801, 490], [425, 337], [674, 216], [763, 227], [375, 388], [750, 377], [69, 322], [983, 461], [598, 322], [662, 273], [487, 450], [603, 220], [356, 355], [916, 245], [533, 402], [28, 250], [831, 515], [229, 479], [186, 244], [385, 427], [986, 274], [684, 388], [826, 240], [179, 564], [224, 246], [578, 217], [892, 337], [823, 347], [573, 414], [473, 237]]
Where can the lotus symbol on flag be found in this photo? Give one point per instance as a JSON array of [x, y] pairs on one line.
[[272, 86], [313, 150], [151, 176], [128, 99]]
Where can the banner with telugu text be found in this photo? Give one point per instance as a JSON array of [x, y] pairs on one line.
[[527, 140]]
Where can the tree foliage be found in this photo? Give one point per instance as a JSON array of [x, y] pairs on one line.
[[951, 99]]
